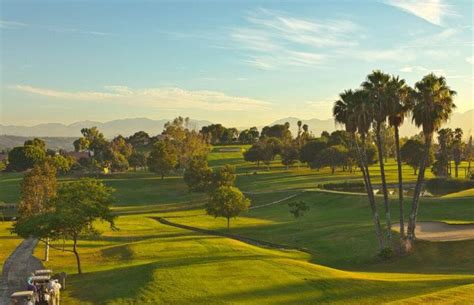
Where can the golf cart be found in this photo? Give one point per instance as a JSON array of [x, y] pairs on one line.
[[48, 272], [23, 297]]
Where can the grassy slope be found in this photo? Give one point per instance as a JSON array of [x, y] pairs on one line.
[[465, 193], [338, 231], [146, 261]]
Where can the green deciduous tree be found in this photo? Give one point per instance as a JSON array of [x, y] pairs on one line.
[[333, 156], [162, 158], [74, 211], [22, 158], [137, 159], [36, 142], [198, 175], [38, 187], [412, 153], [223, 176], [289, 154], [227, 202], [249, 136]]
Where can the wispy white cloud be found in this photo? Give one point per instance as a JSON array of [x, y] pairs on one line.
[[433, 11], [11, 25], [470, 59], [274, 39], [162, 98]]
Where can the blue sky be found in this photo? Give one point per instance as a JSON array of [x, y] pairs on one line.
[[240, 63]]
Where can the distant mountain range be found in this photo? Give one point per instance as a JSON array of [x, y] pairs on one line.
[[56, 143], [56, 134], [110, 129]]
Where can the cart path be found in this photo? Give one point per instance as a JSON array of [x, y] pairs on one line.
[[275, 202], [440, 231], [16, 269]]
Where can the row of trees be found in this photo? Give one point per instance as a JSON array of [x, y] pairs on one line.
[[452, 148], [329, 150], [383, 98], [34, 152]]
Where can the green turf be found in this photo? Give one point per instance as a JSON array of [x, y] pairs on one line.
[[147, 262], [465, 193], [8, 242]]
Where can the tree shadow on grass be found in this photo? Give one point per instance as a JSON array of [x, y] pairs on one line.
[[337, 291], [102, 287], [105, 286]]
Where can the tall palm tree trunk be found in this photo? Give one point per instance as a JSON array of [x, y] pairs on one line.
[[384, 183], [370, 191], [416, 197], [400, 184]]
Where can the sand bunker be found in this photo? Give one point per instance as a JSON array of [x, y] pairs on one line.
[[440, 231]]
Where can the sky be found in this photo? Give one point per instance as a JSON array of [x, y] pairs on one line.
[[240, 63]]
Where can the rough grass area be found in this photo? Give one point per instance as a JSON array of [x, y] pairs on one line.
[[8, 242]]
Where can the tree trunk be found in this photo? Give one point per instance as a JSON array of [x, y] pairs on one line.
[[456, 167], [78, 260], [228, 223], [162, 176], [46, 250], [386, 203], [416, 196], [370, 192], [400, 185]]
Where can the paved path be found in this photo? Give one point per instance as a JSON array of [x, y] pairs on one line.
[[16, 269], [275, 202], [440, 231]]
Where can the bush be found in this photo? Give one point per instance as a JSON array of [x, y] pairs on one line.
[[345, 186], [386, 253], [442, 186]]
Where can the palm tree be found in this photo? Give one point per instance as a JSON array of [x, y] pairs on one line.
[[350, 110], [433, 105], [376, 86], [299, 123], [398, 106]]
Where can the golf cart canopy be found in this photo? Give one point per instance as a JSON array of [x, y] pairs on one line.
[[44, 272], [40, 278], [21, 295]]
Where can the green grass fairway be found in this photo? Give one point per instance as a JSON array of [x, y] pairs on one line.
[[465, 193], [338, 231], [146, 262]]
